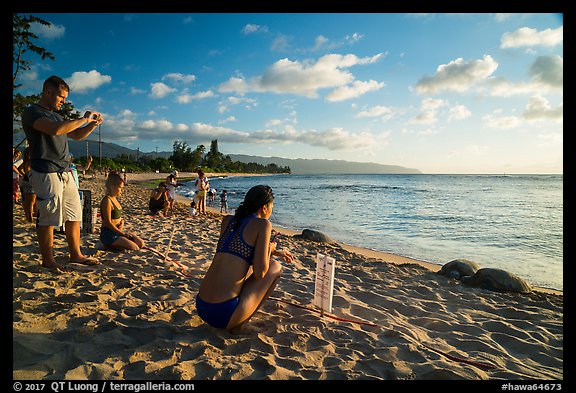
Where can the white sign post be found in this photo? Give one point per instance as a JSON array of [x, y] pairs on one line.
[[324, 288]]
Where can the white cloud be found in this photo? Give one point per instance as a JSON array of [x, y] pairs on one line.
[[548, 70], [546, 75], [319, 42], [526, 36], [273, 123], [539, 108], [432, 104], [376, 111], [357, 89], [424, 118], [302, 78], [429, 107], [125, 126], [286, 76], [355, 37], [503, 122], [178, 77], [502, 17], [229, 119], [160, 90], [81, 81], [280, 44], [186, 98], [234, 85], [337, 139], [160, 125], [207, 132], [253, 28], [49, 32], [135, 90], [224, 105], [457, 75], [458, 112]]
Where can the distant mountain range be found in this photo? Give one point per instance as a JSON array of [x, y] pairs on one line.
[[297, 166], [318, 166]]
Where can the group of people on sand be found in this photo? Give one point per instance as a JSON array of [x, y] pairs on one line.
[[243, 271], [163, 197]]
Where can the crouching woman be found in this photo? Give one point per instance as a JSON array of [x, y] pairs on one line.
[[242, 274]]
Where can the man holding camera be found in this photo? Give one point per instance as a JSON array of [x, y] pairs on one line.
[[56, 191]]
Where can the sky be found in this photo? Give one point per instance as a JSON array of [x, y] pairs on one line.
[[442, 93]]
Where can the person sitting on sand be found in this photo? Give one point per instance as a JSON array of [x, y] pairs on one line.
[[112, 233], [192, 210], [159, 200], [242, 274]]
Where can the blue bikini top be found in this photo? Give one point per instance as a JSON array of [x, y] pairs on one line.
[[232, 241]]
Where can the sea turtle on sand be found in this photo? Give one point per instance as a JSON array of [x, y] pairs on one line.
[[459, 268], [497, 280], [310, 234]]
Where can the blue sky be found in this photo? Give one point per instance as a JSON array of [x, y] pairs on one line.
[[443, 93]]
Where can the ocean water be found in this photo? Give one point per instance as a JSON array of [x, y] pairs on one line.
[[511, 222]]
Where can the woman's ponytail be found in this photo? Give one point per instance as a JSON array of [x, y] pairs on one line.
[[255, 198]]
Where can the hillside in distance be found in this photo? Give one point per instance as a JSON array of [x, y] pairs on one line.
[[297, 166], [323, 166]]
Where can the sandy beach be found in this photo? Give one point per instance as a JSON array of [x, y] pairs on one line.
[[133, 316]]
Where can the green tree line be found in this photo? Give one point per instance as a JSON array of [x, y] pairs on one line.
[[184, 159]]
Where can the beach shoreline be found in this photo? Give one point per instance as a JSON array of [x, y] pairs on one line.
[[133, 317], [369, 253]]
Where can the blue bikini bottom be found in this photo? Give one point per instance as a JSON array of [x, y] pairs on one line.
[[108, 236], [216, 314]]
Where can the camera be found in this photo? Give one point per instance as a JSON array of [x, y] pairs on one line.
[[92, 115]]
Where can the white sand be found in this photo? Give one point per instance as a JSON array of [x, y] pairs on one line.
[[133, 316]]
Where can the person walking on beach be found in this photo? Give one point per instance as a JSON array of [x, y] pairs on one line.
[[171, 187], [57, 196], [28, 194], [242, 274], [201, 184], [75, 168], [16, 173], [211, 194], [112, 232], [159, 200], [224, 201]]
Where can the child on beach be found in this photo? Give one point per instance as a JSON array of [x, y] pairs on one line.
[[192, 209], [112, 233], [242, 274], [224, 201], [171, 187], [201, 184]]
